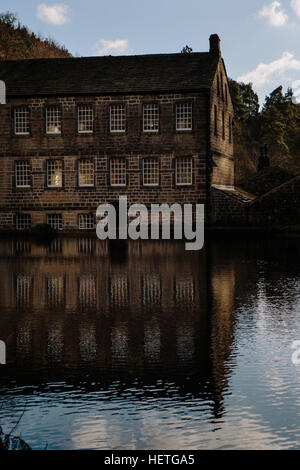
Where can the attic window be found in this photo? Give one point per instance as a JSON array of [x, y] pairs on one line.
[[184, 116], [21, 121]]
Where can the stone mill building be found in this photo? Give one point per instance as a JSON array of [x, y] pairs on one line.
[[79, 132]]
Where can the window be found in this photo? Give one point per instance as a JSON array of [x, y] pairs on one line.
[[85, 119], [216, 120], [21, 119], [23, 221], [86, 221], [150, 118], [184, 116], [117, 118], [22, 174], [53, 120], [151, 172], [55, 221], [118, 172], [54, 173], [184, 171], [223, 125], [86, 173]]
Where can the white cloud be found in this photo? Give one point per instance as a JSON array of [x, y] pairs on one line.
[[108, 47], [295, 4], [274, 72], [274, 14], [56, 14]]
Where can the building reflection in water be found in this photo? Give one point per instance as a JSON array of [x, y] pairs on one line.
[[158, 314]]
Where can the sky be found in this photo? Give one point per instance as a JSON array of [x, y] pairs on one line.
[[260, 39]]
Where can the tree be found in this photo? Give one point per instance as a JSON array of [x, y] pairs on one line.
[[187, 50]]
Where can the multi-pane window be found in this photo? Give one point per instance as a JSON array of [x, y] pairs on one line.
[[150, 172], [54, 173], [184, 171], [86, 172], [85, 118], [86, 221], [184, 116], [23, 221], [22, 174], [150, 118], [55, 221], [117, 118], [53, 120], [21, 121], [118, 172]]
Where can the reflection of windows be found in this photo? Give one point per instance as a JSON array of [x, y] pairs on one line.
[[86, 173], [21, 118], [22, 246], [88, 342], [53, 120], [55, 342], [55, 221], [150, 172], [119, 291], [23, 221], [85, 119], [184, 291], [152, 341], [24, 286], [119, 342], [151, 290], [86, 221], [55, 246], [184, 116], [22, 174], [87, 291], [117, 118], [184, 171], [54, 173], [55, 291], [86, 245], [185, 344], [150, 118], [118, 172]]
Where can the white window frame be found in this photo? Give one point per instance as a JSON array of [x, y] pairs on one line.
[[112, 161], [25, 123], [81, 173], [58, 111], [155, 110], [23, 173], [48, 175], [24, 225], [59, 217], [152, 159], [88, 118], [119, 119], [84, 222], [182, 160], [181, 112]]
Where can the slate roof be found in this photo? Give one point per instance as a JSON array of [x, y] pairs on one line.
[[109, 74]]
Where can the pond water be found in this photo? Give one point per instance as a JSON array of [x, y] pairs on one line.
[[147, 346]]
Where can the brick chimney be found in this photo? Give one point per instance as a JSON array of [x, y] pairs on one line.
[[215, 47]]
